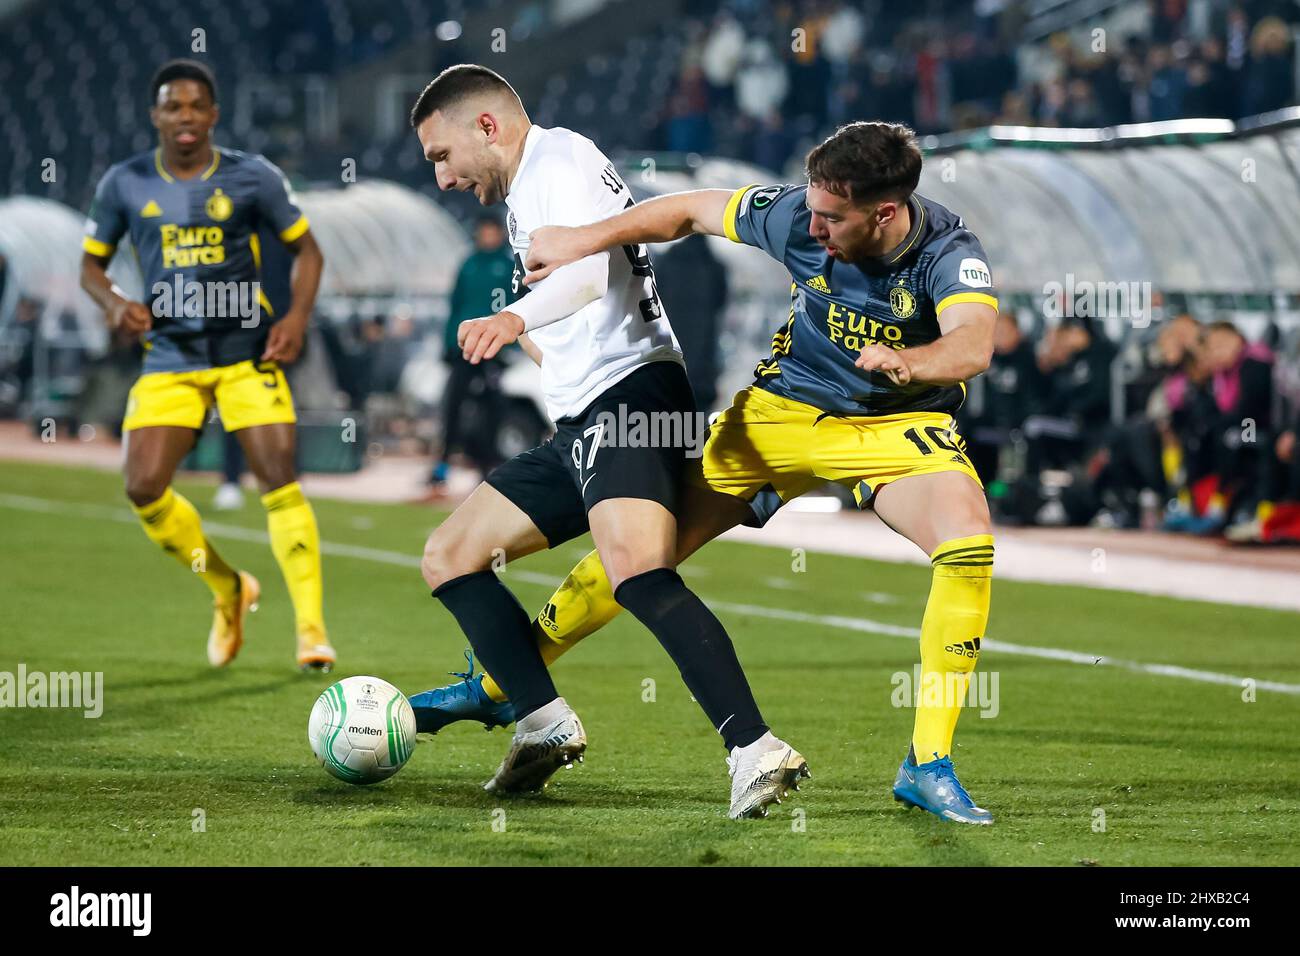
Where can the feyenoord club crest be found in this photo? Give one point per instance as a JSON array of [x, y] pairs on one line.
[[219, 206], [902, 302]]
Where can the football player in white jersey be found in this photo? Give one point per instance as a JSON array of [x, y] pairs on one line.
[[607, 355]]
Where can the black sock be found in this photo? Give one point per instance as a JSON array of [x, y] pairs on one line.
[[699, 645], [501, 633]]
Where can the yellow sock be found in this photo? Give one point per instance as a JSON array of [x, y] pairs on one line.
[[173, 523], [951, 631], [584, 603], [1264, 510], [295, 541]]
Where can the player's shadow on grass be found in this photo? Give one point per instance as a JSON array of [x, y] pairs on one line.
[[215, 689], [944, 842], [187, 678], [467, 793]]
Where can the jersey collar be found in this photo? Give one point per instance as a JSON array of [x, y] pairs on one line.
[[917, 212], [168, 177]]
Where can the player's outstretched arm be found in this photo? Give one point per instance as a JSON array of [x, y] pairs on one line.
[[661, 219], [571, 288]]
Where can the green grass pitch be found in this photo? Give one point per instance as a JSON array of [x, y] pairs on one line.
[[1185, 773]]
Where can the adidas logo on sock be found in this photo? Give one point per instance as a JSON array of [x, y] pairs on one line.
[[547, 617], [969, 648]]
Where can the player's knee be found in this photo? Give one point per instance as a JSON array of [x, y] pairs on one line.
[[144, 489], [623, 562], [963, 519], [277, 476], [445, 559]]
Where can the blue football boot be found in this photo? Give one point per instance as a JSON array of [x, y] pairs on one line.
[[465, 700], [933, 786]]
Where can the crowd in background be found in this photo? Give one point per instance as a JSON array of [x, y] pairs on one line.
[[1203, 450], [760, 77]]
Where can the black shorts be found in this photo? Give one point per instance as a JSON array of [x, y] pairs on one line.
[[600, 453]]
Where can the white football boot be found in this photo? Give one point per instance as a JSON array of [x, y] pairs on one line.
[[762, 773], [546, 740]]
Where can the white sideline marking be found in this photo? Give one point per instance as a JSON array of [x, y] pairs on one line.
[[861, 625]]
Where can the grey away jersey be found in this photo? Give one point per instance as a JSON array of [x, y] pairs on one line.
[[836, 309], [196, 231]]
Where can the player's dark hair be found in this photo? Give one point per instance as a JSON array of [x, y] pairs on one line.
[[454, 84], [867, 162], [182, 70]]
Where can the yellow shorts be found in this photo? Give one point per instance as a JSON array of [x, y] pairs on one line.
[[764, 441], [247, 394]]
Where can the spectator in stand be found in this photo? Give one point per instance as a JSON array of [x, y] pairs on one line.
[[1076, 406], [1013, 388], [688, 129], [1081, 106], [1269, 82], [1015, 110], [1227, 420], [482, 288], [1210, 90], [762, 83], [1128, 473], [1166, 85], [721, 57], [772, 143], [1277, 519], [889, 95]]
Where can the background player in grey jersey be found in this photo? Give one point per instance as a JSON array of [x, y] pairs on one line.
[[192, 212]]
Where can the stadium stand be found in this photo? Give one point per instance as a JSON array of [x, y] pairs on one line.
[[1141, 155]]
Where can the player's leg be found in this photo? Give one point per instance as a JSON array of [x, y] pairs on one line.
[[165, 410], [295, 536], [636, 539], [946, 515], [920, 482], [457, 566], [256, 405], [169, 519], [582, 605], [584, 601], [732, 483]]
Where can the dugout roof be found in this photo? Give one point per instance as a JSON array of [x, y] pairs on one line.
[[1218, 217]]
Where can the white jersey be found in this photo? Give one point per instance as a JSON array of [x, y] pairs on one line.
[[565, 180]]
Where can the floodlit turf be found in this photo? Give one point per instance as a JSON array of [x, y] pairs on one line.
[[1184, 772]]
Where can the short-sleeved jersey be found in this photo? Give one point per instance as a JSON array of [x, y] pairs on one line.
[[196, 241], [563, 179], [836, 308]]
